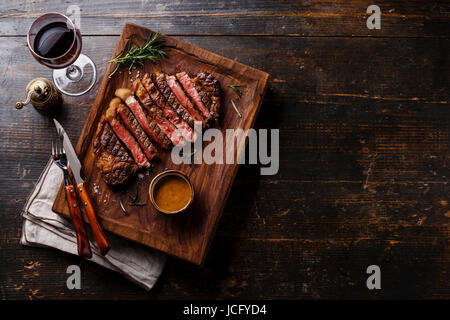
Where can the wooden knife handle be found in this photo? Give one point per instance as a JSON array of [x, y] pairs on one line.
[[102, 243], [84, 249]]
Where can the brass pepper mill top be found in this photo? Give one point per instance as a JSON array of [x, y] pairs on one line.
[[42, 94]]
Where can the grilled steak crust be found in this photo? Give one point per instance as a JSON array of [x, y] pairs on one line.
[[156, 114], [184, 101], [124, 135], [192, 92], [113, 160], [209, 90], [169, 113], [158, 135], [135, 128], [145, 120], [159, 79]]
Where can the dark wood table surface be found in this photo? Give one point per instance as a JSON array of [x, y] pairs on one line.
[[364, 150]]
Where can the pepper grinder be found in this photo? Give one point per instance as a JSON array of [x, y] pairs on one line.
[[42, 94]]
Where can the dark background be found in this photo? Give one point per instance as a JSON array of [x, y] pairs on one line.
[[364, 150]]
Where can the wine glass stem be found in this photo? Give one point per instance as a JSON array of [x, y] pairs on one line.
[[76, 79], [74, 73]]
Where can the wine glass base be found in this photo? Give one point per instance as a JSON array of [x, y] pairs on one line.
[[76, 79]]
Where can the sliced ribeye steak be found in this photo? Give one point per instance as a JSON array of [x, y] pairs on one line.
[[210, 92], [185, 102], [157, 115], [124, 135], [161, 81], [194, 94], [160, 101], [130, 121], [145, 120], [115, 163]]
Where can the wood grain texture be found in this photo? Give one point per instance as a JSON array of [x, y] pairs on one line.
[[187, 236], [339, 94], [318, 18]]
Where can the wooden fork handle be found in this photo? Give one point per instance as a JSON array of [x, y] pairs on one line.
[[102, 242], [84, 249]]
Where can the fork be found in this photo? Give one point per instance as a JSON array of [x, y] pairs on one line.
[[60, 159]]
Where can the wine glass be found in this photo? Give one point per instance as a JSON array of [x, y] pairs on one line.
[[55, 41]]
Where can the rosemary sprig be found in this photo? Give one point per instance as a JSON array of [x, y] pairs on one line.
[[121, 205], [152, 50], [134, 201], [235, 108], [136, 196], [236, 88], [139, 204]]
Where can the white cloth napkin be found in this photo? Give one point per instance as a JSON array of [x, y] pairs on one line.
[[44, 228]]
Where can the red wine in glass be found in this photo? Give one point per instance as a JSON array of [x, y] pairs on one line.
[[55, 42]]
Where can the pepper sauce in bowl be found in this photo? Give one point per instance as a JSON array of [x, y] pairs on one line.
[[171, 192]]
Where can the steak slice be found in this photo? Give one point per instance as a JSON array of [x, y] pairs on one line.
[[156, 114], [184, 101], [113, 160], [124, 135], [147, 123], [170, 114], [209, 89], [159, 79], [135, 128], [196, 96]]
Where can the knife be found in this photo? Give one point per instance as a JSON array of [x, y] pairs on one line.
[[75, 165]]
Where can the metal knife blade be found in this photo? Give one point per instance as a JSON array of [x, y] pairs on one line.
[[72, 157]]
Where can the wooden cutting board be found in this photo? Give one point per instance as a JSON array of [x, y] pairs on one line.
[[188, 235]]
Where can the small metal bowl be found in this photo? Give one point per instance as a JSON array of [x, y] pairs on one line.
[[154, 184]]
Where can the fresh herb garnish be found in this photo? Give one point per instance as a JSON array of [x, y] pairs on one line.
[[136, 196], [235, 108], [121, 205], [236, 88], [134, 201], [152, 50], [140, 204]]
